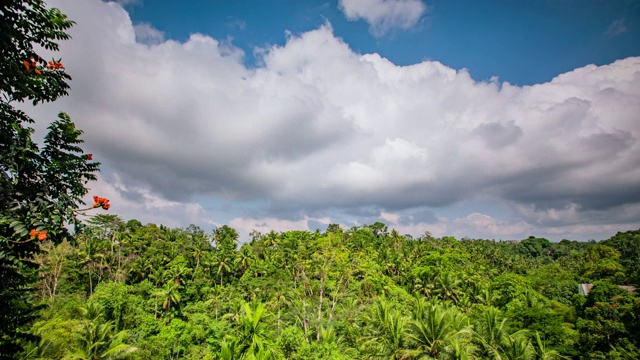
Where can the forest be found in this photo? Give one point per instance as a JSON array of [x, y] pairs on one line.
[[133, 291]]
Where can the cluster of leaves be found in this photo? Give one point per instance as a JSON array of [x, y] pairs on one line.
[[364, 293], [40, 189]]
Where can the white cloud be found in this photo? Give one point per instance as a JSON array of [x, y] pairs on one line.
[[384, 15], [474, 225], [319, 128], [147, 34], [132, 202]]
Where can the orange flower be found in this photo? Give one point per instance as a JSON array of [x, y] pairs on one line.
[[33, 233], [42, 235], [27, 65], [101, 202], [54, 65], [38, 71]]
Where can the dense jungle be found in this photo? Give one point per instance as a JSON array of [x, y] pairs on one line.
[[152, 292]]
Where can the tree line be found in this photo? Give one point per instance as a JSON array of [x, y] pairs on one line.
[[127, 290]]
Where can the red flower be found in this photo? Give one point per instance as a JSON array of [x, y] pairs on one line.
[[89, 156], [55, 65], [33, 233], [101, 202]]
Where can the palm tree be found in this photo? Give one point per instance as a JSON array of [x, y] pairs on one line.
[[423, 287], [176, 273], [447, 287], [229, 348], [197, 255], [223, 265], [487, 296], [528, 297], [491, 329], [169, 295], [96, 340], [254, 339], [279, 298], [434, 328], [389, 331], [516, 346], [245, 258], [544, 353], [216, 295], [328, 336], [271, 239], [54, 337], [461, 349], [90, 252]]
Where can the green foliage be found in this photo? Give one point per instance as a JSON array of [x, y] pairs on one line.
[[602, 263], [88, 337], [609, 321], [39, 189], [535, 247], [435, 329], [628, 245], [183, 293]]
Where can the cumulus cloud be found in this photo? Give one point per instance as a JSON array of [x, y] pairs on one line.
[[384, 15], [147, 34], [134, 202], [320, 129]]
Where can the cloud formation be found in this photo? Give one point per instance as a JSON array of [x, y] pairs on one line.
[[323, 134], [147, 34], [384, 15]]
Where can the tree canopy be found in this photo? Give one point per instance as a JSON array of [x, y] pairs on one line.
[[354, 293]]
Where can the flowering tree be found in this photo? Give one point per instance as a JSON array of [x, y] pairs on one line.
[[40, 189]]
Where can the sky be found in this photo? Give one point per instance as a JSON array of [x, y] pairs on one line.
[[481, 119]]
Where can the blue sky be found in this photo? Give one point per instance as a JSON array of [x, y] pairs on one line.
[[486, 119], [522, 42]]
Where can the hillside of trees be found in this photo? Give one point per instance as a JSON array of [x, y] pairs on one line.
[[134, 291]]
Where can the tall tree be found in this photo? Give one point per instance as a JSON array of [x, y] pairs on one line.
[[40, 190]]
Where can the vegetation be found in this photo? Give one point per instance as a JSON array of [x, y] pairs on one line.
[[125, 290], [112, 289], [40, 189]]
